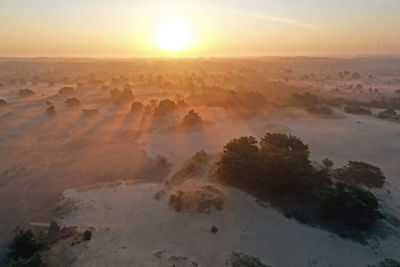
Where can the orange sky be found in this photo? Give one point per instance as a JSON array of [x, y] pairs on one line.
[[122, 28]]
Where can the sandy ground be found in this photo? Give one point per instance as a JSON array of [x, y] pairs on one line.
[[131, 225]]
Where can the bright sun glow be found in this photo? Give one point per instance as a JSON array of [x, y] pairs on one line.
[[173, 34]]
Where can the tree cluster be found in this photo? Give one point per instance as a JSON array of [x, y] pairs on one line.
[[278, 168]]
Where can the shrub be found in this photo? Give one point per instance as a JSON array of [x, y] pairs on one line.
[[24, 245], [356, 76], [351, 206], [26, 92], [51, 110], [72, 102], [90, 112], [319, 110], [303, 100], [357, 109], [2, 102], [388, 114], [388, 262], [87, 235], [66, 90], [35, 261], [123, 96], [361, 173]]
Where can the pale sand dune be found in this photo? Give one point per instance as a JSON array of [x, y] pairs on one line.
[[131, 226]]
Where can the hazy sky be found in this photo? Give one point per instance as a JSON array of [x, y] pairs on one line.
[[219, 27]]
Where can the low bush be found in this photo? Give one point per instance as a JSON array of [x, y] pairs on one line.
[[26, 92], [73, 102], [357, 109]]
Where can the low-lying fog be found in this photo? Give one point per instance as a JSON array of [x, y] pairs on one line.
[[131, 120]]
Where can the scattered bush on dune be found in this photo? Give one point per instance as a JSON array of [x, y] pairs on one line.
[[26, 92], [51, 110], [304, 100], [72, 102], [389, 114], [310, 103], [90, 112], [3, 102], [388, 262], [356, 76], [67, 90], [278, 169], [357, 109], [319, 110], [121, 96], [238, 259], [201, 200], [192, 168]]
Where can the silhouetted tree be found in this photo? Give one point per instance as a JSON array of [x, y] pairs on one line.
[[351, 206], [361, 173], [192, 119]]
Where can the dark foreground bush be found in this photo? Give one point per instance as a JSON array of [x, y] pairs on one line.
[[278, 169], [351, 206], [35, 261], [24, 245], [25, 250]]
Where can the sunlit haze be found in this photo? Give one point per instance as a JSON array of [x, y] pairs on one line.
[[125, 28], [200, 133]]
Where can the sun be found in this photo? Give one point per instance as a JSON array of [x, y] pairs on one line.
[[173, 34]]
